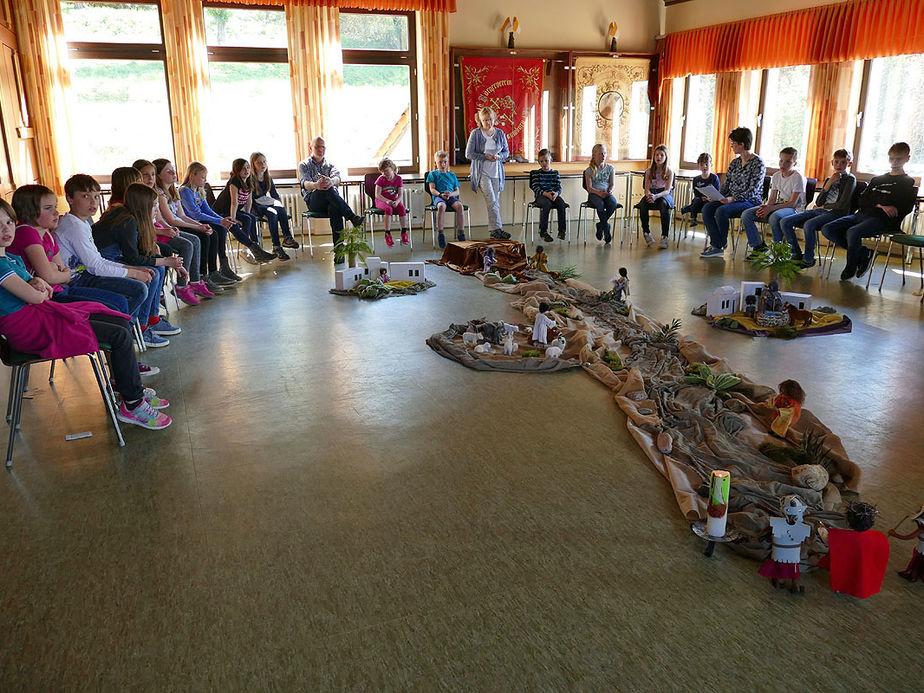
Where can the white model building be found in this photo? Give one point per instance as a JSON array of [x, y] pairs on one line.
[[751, 289], [800, 301], [407, 271], [347, 278], [723, 301], [373, 264]]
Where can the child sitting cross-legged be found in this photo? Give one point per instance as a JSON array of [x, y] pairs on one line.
[[444, 186], [34, 324]]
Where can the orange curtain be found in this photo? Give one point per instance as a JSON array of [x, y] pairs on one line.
[[400, 5], [433, 52], [852, 30], [725, 117], [43, 52], [188, 77], [315, 70], [663, 117], [829, 96]]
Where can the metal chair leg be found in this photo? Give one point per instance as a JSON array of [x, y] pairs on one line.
[[872, 263], [99, 370], [885, 267], [13, 407], [51, 372]]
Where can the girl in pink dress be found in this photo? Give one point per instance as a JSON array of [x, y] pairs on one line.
[[388, 189]]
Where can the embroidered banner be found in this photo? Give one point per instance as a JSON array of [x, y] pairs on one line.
[[513, 88]]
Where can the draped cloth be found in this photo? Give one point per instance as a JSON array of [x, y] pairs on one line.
[[433, 59], [43, 52], [315, 70], [187, 67], [377, 5], [828, 101], [725, 118]]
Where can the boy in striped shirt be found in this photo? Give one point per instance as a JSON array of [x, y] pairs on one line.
[[546, 184]]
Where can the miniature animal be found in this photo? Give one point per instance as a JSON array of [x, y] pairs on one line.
[[559, 342], [471, 337], [797, 316], [483, 348], [553, 352], [510, 346]]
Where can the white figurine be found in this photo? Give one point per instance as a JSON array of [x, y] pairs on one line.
[[789, 532], [553, 352], [542, 324], [510, 346], [483, 348], [559, 342], [471, 338]]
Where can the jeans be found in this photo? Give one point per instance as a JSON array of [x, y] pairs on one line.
[[490, 188], [276, 218], [151, 305], [849, 231], [663, 205], [72, 294], [245, 231], [750, 225], [117, 334], [810, 221], [134, 291], [187, 246], [605, 208], [335, 207], [716, 216], [209, 248], [546, 206], [694, 208]]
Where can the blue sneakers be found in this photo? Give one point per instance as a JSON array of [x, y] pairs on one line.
[[712, 251], [154, 340], [164, 328]]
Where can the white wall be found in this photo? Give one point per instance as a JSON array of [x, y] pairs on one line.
[[578, 24], [700, 13]]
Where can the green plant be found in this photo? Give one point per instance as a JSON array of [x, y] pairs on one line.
[[352, 244], [778, 259], [788, 332], [612, 360], [569, 272], [529, 353], [562, 310], [667, 333], [701, 374], [729, 323], [813, 446]]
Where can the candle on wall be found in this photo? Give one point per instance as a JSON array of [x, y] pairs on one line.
[[717, 507]]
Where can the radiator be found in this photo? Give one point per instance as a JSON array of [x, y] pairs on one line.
[[294, 205]]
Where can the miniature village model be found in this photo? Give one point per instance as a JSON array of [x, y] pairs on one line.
[[377, 279]]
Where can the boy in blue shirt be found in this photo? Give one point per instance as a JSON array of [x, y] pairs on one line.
[[444, 186], [545, 182]]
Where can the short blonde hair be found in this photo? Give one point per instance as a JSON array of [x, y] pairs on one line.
[[486, 112], [441, 154], [387, 163]]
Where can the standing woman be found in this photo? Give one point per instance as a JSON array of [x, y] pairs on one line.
[[487, 150], [659, 184], [599, 181]]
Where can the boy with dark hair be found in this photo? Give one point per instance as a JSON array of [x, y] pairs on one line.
[[706, 178], [887, 200], [832, 202], [545, 182]]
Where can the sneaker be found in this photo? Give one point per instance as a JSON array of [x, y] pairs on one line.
[[796, 256], [164, 328], [150, 396], [754, 251], [712, 251], [607, 236], [460, 235], [561, 234], [143, 415], [262, 256], [663, 244], [247, 256], [441, 239], [218, 278], [805, 264], [649, 240], [848, 273], [200, 289], [152, 340], [496, 235], [229, 274], [694, 224], [544, 235], [289, 242], [145, 369], [599, 232], [389, 241], [404, 238], [280, 253], [357, 221], [864, 262], [186, 295]]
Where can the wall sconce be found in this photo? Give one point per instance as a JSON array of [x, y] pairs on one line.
[[510, 28], [612, 33]]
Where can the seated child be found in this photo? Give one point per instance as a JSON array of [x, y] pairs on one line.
[[787, 197], [659, 185], [539, 260], [599, 181], [388, 189], [541, 325], [194, 198], [706, 178], [621, 283], [33, 324], [788, 407], [489, 260], [832, 202], [887, 200], [444, 186], [546, 184]]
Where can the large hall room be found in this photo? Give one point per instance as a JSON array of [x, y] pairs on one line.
[[572, 454]]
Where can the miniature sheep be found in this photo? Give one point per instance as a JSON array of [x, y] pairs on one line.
[[483, 348], [553, 352], [471, 337]]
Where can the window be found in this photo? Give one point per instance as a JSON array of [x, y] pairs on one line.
[[118, 103], [250, 108], [378, 113], [698, 109], [885, 117], [784, 113]]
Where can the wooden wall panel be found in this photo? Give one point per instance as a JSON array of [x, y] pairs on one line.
[[17, 148]]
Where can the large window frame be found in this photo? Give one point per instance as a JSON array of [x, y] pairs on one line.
[[98, 50], [761, 129], [249, 54], [686, 160], [408, 58]]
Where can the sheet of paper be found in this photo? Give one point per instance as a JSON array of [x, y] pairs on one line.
[[710, 193]]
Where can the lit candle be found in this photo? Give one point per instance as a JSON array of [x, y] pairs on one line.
[[717, 508]]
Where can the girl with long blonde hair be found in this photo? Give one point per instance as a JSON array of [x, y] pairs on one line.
[[599, 181], [195, 205]]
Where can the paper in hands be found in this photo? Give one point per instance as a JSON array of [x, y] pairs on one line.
[[710, 193]]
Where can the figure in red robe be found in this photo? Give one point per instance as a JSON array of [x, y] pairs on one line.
[[915, 569], [857, 557]]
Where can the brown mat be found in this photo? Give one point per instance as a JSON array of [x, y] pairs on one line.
[[467, 257]]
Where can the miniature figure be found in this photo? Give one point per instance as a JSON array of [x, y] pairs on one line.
[[788, 407], [471, 338], [857, 557], [559, 341], [798, 316], [483, 348], [489, 259], [750, 306], [770, 300], [553, 352], [789, 532], [510, 346], [540, 260], [383, 275], [915, 569], [621, 283], [541, 325]]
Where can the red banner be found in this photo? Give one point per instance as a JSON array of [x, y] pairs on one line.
[[513, 88]]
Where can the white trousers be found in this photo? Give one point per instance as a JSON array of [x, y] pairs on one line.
[[490, 188]]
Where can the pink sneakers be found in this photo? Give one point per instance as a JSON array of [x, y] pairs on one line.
[[201, 289], [388, 239], [143, 415], [404, 239], [186, 295]]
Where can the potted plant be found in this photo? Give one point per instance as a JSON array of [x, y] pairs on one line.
[[352, 245], [778, 259]]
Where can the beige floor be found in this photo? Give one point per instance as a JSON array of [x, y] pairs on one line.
[[337, 507]]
